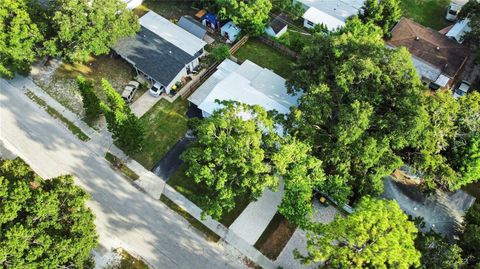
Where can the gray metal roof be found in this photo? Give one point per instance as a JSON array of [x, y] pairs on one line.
[[154, 56], [192, 26]]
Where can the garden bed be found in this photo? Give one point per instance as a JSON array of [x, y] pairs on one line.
[[118, 164], [275, 237]]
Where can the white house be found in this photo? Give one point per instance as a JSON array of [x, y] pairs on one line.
[[246, 83], [331, 13], [230, 31], [162, 51]]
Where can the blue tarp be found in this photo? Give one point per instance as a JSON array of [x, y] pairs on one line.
[[212, 20]]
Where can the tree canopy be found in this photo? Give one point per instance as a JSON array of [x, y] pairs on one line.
[[19, 37], [252, 16], [471, 10], [78, 28], [376, 235], [90, 101], [362, 103], [230, 156], [470, 239], [385, 14], [43, 223]]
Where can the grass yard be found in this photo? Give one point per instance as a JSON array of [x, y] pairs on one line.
[[295, 40], [165, 124], [430, 13], [275, 237], [188, 188], [266, 56], [171, 10]]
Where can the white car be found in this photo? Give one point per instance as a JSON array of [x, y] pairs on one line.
[[130, 90], [156, 89], [452, 11], [461, 90]]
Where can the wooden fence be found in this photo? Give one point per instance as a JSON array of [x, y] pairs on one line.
[[279, 47], [239, 44], [200, 80]]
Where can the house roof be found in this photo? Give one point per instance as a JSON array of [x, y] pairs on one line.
[[154, 55], [458, 30], [279, 22], [247, 83], [319, 17], [430, 46], [340, 9], [231, 29], [172, 33], [192, 26]]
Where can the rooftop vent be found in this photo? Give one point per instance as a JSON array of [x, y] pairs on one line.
[[417, 38], [437, 48]]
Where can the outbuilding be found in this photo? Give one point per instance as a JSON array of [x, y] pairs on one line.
[[459, 30], [230, 31], [277, 26], [192, 26]]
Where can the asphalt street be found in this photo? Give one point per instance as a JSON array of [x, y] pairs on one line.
[[124, 215]]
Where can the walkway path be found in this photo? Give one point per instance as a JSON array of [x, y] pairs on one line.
[[257, 215], [94, 151]]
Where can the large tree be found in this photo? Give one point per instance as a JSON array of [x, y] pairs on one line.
[[78, 28], [43, 223], [376, 235], [385, 13], [362, 103], [471, 10], [250, 15], [18, 38], [230, 157], [470, 239], [91, 103]]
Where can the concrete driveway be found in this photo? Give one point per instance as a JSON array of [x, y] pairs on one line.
[[125, 216]]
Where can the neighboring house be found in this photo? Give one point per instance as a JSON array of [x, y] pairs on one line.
[[162, 52], [459, 30], [192, 26], [331, 13], [131, 4], [230, 31], [441, 211], [438, 59], [277, 26], [246, 83]]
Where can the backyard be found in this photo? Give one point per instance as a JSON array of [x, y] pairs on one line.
[[188, 188], [430, 13], [266, 56], [165, 124], [171, 10]]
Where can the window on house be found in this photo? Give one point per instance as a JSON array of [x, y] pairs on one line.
[[310, 23]]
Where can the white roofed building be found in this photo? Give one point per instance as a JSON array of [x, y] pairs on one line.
[[246, 83], [331, 13], [459, 30]]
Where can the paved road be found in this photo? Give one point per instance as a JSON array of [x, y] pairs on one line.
[[124, 215], [171, 161]]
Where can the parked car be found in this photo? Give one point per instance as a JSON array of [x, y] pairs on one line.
[[452, 12], [156, 90], [130, 90], [461, 90]]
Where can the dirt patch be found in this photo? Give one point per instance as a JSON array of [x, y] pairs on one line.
[[275, 237]]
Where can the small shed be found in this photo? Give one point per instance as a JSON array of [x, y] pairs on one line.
[[278, 26], [230, 31], [208, 19], [459, 30], [192, 26]]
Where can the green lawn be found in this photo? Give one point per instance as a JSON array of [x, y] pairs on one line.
[[171, 10], [265, 56], [188, 188], [430, 13], [165, 124]]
